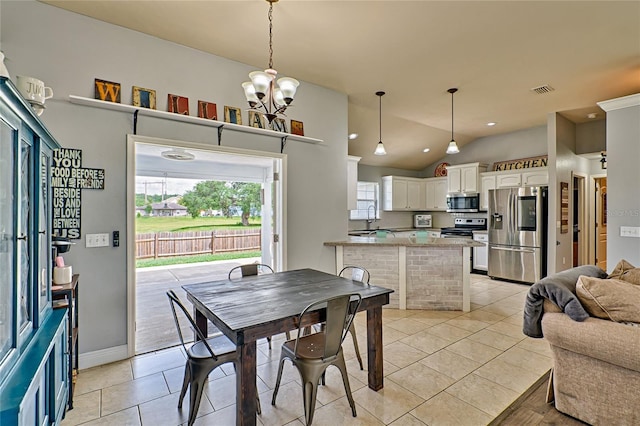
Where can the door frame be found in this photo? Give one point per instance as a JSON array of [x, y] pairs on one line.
[[592, 217], [280, 213], [583, 235]]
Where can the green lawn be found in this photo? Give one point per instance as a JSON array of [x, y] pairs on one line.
[[178, 260], [186, 224]]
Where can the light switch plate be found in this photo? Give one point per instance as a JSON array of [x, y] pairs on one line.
[[630, 231], [97, 240]]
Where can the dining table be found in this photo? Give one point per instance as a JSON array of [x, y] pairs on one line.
[[260, 306]]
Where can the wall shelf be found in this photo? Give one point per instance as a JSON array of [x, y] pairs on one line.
[[96, 103]]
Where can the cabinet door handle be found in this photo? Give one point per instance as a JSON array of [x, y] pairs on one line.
[[22, 237], [42, 232]]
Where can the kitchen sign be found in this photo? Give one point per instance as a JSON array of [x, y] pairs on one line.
[[522, 163], [68, 179]]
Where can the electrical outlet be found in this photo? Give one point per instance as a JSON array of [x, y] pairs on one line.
[[97, 240], [630, 231]]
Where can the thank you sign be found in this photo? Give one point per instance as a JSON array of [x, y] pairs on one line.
[[68, 179]]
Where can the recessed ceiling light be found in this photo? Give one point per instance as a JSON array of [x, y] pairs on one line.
[[178, 154], [592, 115], [353, 136], [426, 150], [491, 123]]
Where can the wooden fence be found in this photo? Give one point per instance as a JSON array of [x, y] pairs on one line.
[[165, 244]]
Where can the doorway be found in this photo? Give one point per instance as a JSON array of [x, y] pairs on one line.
[[150, 325], [600, 215], [579, 220]]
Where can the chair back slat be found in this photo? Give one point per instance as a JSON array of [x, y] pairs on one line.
[[355, 273], [174, 301], [250, 270], [340, 312]]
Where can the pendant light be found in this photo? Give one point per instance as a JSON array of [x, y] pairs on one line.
[[380, 147], [261, 92], [453, 147]]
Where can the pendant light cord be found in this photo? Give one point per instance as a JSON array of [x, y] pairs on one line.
[[380, 117], [270, 35], [452, 91]]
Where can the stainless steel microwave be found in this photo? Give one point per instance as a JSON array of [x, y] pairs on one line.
[[463, 203]]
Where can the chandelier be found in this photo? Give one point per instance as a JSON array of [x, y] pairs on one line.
[[261, 92]]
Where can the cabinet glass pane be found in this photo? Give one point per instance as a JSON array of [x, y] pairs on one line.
[[44, 249], [6, 239], [24, 243]]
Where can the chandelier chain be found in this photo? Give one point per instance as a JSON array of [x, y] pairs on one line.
[[270, 35]]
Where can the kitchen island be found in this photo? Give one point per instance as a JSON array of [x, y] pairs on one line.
[[425, 273]]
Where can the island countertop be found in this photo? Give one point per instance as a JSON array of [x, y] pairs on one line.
[[405, 242]]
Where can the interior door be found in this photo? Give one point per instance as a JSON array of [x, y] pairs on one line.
[[601, 222]]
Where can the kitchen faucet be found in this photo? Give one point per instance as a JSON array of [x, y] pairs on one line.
[[369, 219]]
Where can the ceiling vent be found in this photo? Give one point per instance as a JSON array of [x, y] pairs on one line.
[[541, 90]]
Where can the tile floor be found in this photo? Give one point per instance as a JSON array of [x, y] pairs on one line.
[[441, 368]]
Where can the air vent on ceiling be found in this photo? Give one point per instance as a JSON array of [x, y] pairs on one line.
[[541, 90]]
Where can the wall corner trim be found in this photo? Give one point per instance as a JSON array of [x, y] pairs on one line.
[[620, 103]]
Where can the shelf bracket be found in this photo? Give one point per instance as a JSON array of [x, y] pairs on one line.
[[135, 122], [220, 134], [283, 143]]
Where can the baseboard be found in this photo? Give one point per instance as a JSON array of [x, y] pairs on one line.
[[103, 356]]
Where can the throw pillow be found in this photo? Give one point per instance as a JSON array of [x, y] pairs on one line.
[[622, 267], [611, 299]]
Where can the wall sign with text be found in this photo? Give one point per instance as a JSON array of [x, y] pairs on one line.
[[521, 163], [68, 179]]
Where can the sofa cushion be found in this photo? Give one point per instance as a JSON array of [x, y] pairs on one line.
[[612, 299], [627, 272]]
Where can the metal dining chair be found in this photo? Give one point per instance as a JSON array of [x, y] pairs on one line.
[[202, 357], [252, 269], [312, 354], [360, 274]]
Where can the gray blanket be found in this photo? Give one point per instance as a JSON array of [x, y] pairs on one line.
[[559, 288]]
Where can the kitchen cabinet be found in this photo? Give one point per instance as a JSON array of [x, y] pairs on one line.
[[403, 194], [352, 182], [487, 182], [436, 194], [510, 179], [481, 254], [27, 321], [465, 178], [535, 178]]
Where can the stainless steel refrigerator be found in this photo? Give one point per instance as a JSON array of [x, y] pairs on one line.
[[518, 233]]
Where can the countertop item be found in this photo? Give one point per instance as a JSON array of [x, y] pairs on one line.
[[406, 242]]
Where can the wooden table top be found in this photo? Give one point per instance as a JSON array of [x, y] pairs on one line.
[[242, 304]]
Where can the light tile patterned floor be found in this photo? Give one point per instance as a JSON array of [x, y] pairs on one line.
[[441, 368]]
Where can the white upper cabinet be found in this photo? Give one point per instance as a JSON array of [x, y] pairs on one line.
[[403, 194], [487, 182], [436, 193], [535, 178], [510, 180], [352, 182], [464, 177]]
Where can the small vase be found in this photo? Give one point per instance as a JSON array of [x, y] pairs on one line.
[[4, 72]]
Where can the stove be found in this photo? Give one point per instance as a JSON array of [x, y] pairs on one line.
[[464, 228]]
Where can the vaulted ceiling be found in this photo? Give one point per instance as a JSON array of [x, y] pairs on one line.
[[494, 52]]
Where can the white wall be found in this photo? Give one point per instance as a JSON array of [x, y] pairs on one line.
[[623, 177], [68, 51], [591, 137]]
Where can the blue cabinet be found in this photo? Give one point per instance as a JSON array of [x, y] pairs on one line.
[[26, 315]]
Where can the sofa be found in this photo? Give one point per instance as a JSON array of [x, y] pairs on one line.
[[595, 348]]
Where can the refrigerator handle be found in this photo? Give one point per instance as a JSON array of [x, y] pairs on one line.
[[519, 250]]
